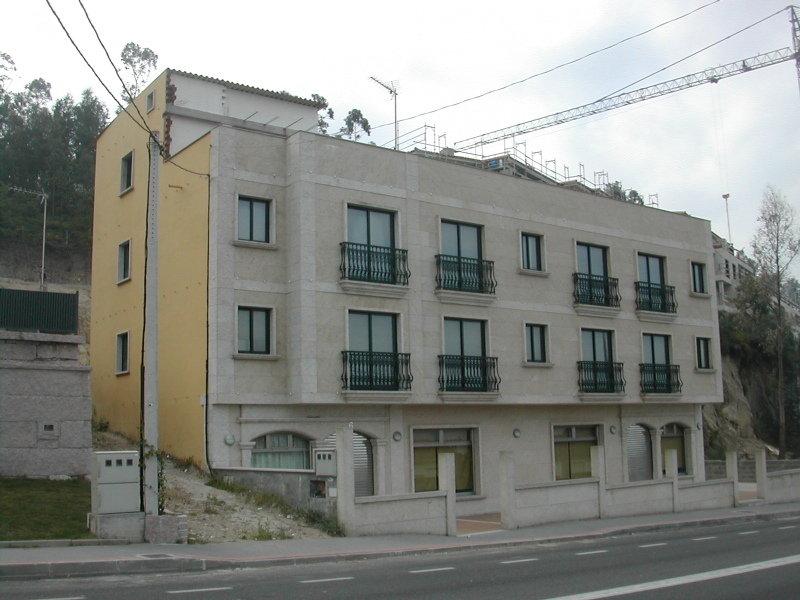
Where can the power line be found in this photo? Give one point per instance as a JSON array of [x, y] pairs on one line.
[[551, 69]]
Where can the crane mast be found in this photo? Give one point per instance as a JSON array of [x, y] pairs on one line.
[[711, 75]]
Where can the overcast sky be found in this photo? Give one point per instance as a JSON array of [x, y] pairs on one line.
[[689, 147]]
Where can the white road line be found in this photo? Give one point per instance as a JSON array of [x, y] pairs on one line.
[[65, 598], [683, 580], [199, 590], [747, 532], [653, 545], [788, 527], [433, 570], [517, 560], [326, 580], [591, 552], [703, 539]]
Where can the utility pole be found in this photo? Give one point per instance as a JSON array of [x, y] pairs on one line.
[[391, 87], [43, 201], [728, 214]]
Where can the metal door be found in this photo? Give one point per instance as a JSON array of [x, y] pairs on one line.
[[640, 453]]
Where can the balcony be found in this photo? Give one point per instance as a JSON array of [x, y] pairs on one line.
[[655, 297], [595, 377], [465, 280], [660, 379], [374, 270], [459, 373], [596, 295], [376, 371]]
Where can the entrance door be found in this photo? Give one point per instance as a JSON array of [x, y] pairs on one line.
[[640, 453], [362, 461]]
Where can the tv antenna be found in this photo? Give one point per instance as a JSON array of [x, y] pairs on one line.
[[391, 87]]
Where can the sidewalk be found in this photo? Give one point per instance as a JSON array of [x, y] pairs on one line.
[[54, 562]]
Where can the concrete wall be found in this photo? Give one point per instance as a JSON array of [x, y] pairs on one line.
[[705, 494], [45, 406], [715, 469], [784, 486], [638, 498], [423, 513], [559, 501]]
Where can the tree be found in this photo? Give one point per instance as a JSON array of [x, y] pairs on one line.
[[616, 191], [775, 246], [325, 112], [355, 123], [137, 63]]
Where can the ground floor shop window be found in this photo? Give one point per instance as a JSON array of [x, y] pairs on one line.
[[281, 450], [428, 444], [573, 450], [673, 439]]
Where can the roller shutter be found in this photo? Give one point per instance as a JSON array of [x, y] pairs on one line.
[[640, 455], [362, 461]]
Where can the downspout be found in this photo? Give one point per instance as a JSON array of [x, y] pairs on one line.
[[208, 298]]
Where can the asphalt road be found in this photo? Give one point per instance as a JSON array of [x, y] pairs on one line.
[[754, 561]]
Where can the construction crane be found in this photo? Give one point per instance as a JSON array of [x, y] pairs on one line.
[[712, 75]]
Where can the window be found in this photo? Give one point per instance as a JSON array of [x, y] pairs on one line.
[[122, 353], [656, 349], [703, 353], [369, 253], [461, 240], [592, 260], [698, 278], [254, 335], [124, 261], [253, 220], [150, 101], [126, 173], [596, 345], [464, 337], [573, 450], [372, 332], [651, 269], [370, 227], [429, 443], [673, 439], [535, 343], [531, 252], [281, 450]]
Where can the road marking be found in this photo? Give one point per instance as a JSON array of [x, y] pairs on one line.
[[653, 545], [326, 580], [517, 560], [65, 598], [199, 590], [703, 539], [788, 527], [747, 532], [433, 570], [683, 580], [591, 552]]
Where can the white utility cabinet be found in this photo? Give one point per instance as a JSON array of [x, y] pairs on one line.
[[115, 482]]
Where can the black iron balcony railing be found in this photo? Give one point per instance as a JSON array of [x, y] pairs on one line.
[[597, 290], [655, 297], [376, 370], [376, 264], [459, 373], [600, 377], [45, 312], [465, 274], [661, 379]]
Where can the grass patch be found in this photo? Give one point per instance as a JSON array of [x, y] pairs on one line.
[[309, 518], [40, 509]]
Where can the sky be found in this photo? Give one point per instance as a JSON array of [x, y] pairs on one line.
[[690, 147]]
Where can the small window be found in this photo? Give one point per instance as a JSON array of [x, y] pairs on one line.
[[703, 353], [698, 278], [535, 343], [531, 252], [124, 261], [573, 450], [126, 172], [281, 450], [253, 220], [151, 101], [254, 332], [122, 353]]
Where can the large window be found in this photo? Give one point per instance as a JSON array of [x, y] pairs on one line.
[[372, 332], [253, 330], [573, 450], [370, 227], [126, 172], [428, 444], [122, 353], [656, 349], [703, 353], [699, 278], [673, 439], [253, 220], [282, 450], [369, 253], [531, 252], [461, 240], [592, 260], [124, 261], [535, 343], [596, 345], [651, 269], [372, 361]]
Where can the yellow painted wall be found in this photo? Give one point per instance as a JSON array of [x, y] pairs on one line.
[[183, 240]]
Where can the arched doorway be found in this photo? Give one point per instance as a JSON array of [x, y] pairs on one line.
[[363, 465], [640, 453]]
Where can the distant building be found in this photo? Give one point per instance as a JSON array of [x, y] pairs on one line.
[[730, 267]]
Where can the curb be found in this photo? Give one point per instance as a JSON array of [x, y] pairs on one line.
[[178, 564], [62, 543]]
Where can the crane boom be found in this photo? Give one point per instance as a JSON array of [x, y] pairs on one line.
[[712, 75]]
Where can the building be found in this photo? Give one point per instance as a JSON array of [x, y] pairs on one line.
[[306, 282], [730, 267]]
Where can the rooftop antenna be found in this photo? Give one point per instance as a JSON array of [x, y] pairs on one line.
[[652, 200], [38, 193], [391, 87], [728, 215]]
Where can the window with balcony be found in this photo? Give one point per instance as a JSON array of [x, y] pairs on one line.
[[372, 361], [460, 266], [429, 443], [597, 371], [531, 252], [699, 278], [253, 220], [593, 286], [652, 293], [658, 376], [369, 254], [464, 367], [572, 450]]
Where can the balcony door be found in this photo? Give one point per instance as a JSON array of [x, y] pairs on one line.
[[596, 346], [373, 351], [592, 260], [461, 247], [652, 293], [465, 352], [656, 349], [370, 237], [596, 370], [592, 278]]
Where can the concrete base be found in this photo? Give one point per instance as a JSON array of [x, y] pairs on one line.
[[166, 529], [119, 526]]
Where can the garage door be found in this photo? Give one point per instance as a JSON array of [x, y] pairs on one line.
[[640, 455], [362, 461]]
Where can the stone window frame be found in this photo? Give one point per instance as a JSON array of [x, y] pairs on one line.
[[272, 353]]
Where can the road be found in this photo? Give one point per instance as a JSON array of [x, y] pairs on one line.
[[758, 560]]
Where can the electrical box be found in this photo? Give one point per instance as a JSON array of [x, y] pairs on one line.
[[115, 482], [325, 463]]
